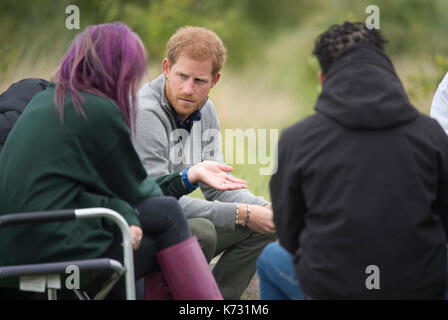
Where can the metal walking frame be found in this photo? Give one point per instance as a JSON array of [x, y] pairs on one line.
[[45, 269]]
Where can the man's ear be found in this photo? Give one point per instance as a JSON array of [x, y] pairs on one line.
[[165, 67], [215, 79], [321, 77]]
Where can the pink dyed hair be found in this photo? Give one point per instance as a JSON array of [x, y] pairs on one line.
[[108, 60]]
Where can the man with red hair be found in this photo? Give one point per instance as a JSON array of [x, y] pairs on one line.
[[176, 117]]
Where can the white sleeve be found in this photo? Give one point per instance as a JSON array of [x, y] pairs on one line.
[[439, 107]]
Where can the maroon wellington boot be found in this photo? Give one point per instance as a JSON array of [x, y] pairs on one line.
[[187, 272], [156, 287]]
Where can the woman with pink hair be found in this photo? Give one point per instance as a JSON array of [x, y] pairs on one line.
[[72, 148]]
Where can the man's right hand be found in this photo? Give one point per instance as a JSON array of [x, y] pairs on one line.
[[260, 219]]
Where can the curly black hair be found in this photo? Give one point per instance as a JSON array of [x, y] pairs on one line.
[[338, 37]]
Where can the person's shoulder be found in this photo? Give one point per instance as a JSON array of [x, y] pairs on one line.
[[209, 116], [147, 96], [104, 113], [302, 126], [429, 125], [99, 105], [424, 121], [301, 134], [150, 95]]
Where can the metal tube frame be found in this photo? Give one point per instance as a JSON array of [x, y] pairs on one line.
[[128, 257], [52, 294]]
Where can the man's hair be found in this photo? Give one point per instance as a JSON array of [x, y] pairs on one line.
[[338, 37], [198, 44]]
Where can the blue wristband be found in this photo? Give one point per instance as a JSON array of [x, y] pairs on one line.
[[190, 187]]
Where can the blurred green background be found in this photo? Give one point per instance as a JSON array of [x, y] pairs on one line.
[[269, 80]]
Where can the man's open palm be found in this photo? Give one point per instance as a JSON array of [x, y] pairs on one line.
[[215, 175]]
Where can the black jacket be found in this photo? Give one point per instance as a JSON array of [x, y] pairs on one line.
[[14, 100], [364, 181]]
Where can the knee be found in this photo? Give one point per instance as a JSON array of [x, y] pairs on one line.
[[263, 240], [205, 231], [270, 237], [163, 205], [172, 209], [267, 258]]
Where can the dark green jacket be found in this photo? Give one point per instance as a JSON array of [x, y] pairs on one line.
[[79, 163]]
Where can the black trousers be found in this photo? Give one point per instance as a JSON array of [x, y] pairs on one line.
[[164, 224]]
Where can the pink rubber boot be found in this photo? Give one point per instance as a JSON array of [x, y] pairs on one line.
[[187, 272], [156, 287]]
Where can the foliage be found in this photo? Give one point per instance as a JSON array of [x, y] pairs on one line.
[[249, 29], [244, 25]]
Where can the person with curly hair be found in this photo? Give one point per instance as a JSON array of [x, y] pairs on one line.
[[360, 197]]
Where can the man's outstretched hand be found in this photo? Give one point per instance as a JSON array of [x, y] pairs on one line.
[[214, 174]]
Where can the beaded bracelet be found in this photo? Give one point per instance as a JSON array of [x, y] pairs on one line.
[[247, 217], [236, 218]]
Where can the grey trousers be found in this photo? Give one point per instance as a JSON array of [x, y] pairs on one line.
[[240, 250]]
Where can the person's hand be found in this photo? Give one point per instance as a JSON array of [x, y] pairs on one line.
[[136, 236], [268, 206], [260, 219], [214, 174]]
